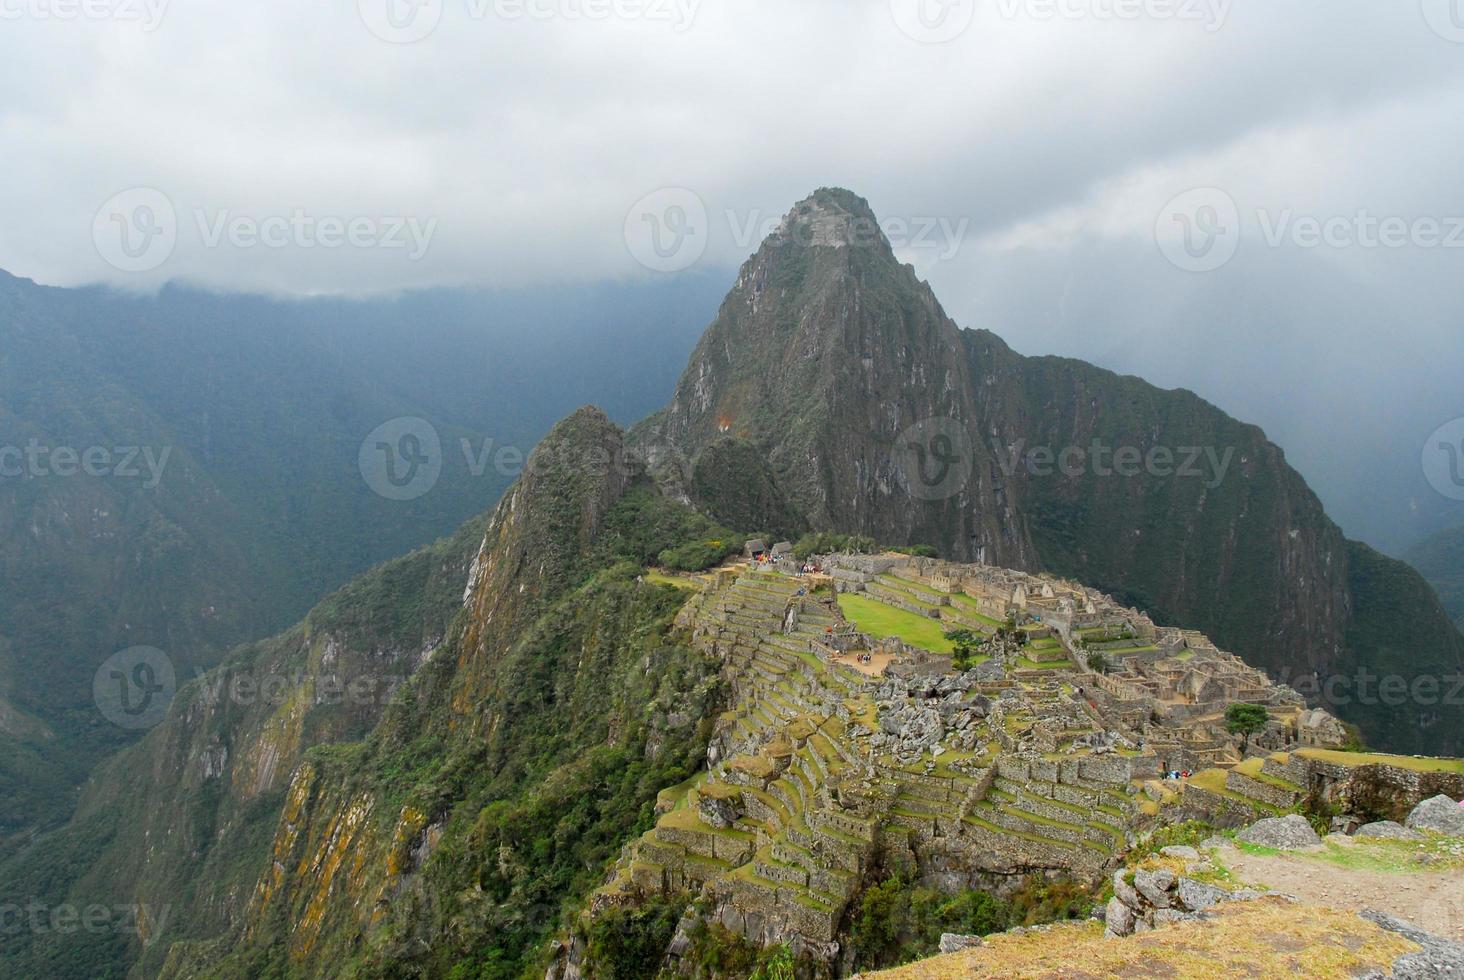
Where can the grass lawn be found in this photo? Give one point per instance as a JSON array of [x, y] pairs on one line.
[[1369, 759], [1382, 856], [661, 578], [877, 619]]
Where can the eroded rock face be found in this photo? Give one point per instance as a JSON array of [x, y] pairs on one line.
[[1290, 833], [1441, 815]]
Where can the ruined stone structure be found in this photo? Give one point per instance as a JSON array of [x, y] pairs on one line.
[[839, 745]]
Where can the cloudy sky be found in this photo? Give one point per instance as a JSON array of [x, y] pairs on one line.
[[1256, 199]]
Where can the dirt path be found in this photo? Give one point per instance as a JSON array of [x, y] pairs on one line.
[[1431, 900]]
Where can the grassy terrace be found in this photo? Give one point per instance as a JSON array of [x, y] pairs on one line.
[[1213, 780], [1252, 768], [676, 796], [675, 581], [880, 620], [1026, 663], [904, 590], [1369, 759]]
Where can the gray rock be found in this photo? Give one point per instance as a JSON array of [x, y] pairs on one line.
[[952, 943], [1290, 833], [1218, 843], [1154, 886], [1440, 815], [1387, 830], [1181, 852], [1119, 918], [1166, 916], [1438, 958], [1125, 892], [1198, 896]]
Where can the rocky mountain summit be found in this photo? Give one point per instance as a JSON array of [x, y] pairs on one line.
[[832, 392]]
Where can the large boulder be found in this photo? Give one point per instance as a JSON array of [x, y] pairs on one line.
[[955, 943], [1198, 896], [1440, 815], [1387, 830], [1289, 833], [1125, 892], [1154, 886], [1119, 918]]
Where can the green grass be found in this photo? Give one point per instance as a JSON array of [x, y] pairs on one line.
[[1029, 664], [661, 578], [880, 620], [1370, 759], [1213, 780]]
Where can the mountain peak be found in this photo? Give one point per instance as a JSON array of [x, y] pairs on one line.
[[831, 217]]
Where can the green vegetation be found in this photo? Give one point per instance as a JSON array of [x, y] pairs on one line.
[[1246, 720], [897, 921], [1097, 662], [964, 645], [260, 507], [1440, 559], [647, 528], [881, 620], [627, 944]]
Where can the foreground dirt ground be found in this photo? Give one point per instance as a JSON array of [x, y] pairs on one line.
[[1384, 878], [1266, 938]]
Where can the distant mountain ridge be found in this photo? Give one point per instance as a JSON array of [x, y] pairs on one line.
[[834, 376], [226, 495], [1440, 559]]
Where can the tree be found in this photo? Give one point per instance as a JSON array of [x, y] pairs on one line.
[[1097, 662], [1246, 720], [965, 643]]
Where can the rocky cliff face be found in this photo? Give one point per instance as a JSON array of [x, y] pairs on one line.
[[853, 403]]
